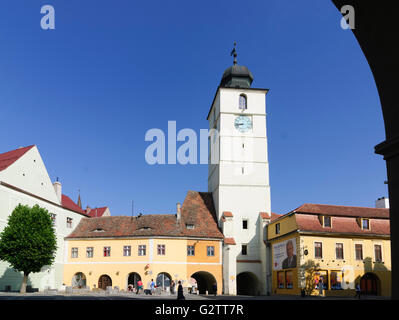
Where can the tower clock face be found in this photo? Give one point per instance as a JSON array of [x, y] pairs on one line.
[[243, 123]]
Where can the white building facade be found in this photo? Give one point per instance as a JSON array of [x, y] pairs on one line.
[[24, 180], [238, 177]]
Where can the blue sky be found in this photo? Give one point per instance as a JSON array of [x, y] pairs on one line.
[[87, 92]]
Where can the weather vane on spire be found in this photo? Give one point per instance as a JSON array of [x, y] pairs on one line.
[[234, 53]]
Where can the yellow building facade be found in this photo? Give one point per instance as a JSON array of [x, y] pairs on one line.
[[119, 251], [334, 247], [130, 259]]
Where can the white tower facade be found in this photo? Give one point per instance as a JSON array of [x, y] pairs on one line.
[[238, 178]]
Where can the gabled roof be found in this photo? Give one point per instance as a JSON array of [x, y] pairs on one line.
[[96, 212], [197, 209], [8, 158], [347, 211]]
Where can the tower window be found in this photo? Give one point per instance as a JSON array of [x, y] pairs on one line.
[[244, 249], [245, 224], [243, 102]]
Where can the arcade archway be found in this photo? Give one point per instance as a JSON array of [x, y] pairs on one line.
[[247, 284], [104, 281], [205, 282]]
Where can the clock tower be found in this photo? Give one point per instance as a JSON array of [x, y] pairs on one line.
[[238, 178]]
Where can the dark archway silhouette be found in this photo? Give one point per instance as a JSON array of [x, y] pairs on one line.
[[247, 284], [375, 31], [205, 281], [370, 284]]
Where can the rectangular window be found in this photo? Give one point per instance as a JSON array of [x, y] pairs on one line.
[[210, 251], [69, 223], [318, 250], [127, 251], [327, 222], [244, 249], [89, 252], [365, 224], [377, 253], [359, 251], [74, 253], [190, 251], [277, 228], [280, 280], [142, 250], [161, 249], [336, 280], [53, 218], [288, 280], [339, 250], [245, 224], [107, 251]]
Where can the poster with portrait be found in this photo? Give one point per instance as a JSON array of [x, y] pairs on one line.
[[284, 255]]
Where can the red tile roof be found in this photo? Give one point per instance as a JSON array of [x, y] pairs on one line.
[[227, 214], [340, 224], [8, 158], [197, 209], [68, 203], [96, 212], [275, 216], [264, 215], [230, 241], [347, 211]]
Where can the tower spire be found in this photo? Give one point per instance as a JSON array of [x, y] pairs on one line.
[[79, 201], [234, 53]]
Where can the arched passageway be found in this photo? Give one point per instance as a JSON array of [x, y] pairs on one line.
[[104, 281], [79, 280], [205, 282], [247, 284]]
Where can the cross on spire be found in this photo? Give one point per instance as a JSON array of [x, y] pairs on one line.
[[234, 53]]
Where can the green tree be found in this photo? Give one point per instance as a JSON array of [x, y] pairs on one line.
[[28, 242]]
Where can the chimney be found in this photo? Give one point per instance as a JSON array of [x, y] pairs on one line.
[[58, 190], [382, 203], [178, 211]]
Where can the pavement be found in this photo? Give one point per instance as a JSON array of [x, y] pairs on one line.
[[133, 296]]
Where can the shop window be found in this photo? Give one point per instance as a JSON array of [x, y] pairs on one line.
[[336, 280], [321, 276], [288, 280], [280, 280]]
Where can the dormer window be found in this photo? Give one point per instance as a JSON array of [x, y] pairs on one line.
[[190, 226], [365, 224], [98, 230], [145, 228], [242, 102], [326, 222]]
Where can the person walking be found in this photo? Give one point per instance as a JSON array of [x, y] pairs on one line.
[[172, 287], [152, 286], [180, 295], [321, 287], [139, 286], [215, 288]]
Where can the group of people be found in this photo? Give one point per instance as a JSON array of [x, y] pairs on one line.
[[139, 286]]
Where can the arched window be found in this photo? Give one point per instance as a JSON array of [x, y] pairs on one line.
[[243, 102]]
